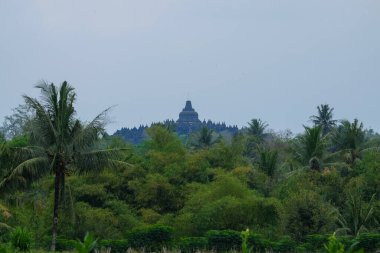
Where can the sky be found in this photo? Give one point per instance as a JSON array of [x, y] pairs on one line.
[[236, 59]]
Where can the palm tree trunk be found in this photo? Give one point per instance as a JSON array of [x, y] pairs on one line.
[[57, 182]]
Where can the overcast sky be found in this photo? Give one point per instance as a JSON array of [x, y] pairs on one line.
[[236, 60]]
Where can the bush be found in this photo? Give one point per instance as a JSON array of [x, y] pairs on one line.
[[5, 248], [313, 242], [117, 246], [88, 245], [258, 243], [367, 242], [192, 244], [151, 238], [347, 241], [223, 240], [21, 239], [64, 244], [286, 244], [334, 246]]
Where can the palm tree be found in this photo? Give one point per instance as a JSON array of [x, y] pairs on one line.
[[257, 128], [204, 138], [268, 161], [310, 147], [61, 144], [350, 137], [324, 118], [359, 216]]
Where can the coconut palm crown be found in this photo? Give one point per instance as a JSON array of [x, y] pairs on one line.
[[324, 118]]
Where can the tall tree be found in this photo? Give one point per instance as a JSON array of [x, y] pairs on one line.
[[324, 118], [310, 147], [60, 143], [359, 215], [350, 137], [257, 128], [268, 160], [204, 138], [18, 123]]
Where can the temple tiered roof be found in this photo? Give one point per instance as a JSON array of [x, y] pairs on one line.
[[188, 120]]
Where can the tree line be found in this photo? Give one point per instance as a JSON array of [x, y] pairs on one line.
[[62, 177]]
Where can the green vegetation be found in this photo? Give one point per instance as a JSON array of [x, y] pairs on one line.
[[287, 193]]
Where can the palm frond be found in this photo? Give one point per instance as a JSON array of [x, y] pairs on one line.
[[4, 225], [85, 137], [97, 159], [32, 168], [43, 125], [371, 149]]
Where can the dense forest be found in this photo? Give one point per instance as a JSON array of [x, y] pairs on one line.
[[62, 178]]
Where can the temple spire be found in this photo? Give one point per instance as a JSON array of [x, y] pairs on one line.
[[188, 120], [188, 106]]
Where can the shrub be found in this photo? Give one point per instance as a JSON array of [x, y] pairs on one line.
[[258, 243], [192, 244], [223, 240], [367, 242], [21, 239], [316, 241], [151, 238], [117, 246], [244, 238], [285, 244], [334, 246], [5, 248], [88, 245], [65, 245], [347, 241]]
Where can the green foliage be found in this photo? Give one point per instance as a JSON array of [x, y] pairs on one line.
[[21, 239], [65, 245], [256, 129], [285, 244], [224, 240], [228, 156], [290, 190], [192, 244], [162, 149], [334, 246], [102, 222], [151, 238], [4, 216], [310, 147], [94, 194], [87, 246], [258, 242], [349, 137], [268, 161], [367, 242], [18, 123], [116, 246], [324, 118], [359, 216], [204, 138], [307, 214], [156, 192], [316, 241], [5, 248], [227, 204], [244, 241], [60, 143]]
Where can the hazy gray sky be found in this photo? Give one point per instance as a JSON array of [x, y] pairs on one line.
[[276, 60]]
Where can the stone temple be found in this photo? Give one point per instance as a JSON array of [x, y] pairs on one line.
[[188, 120], [187, 123]]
